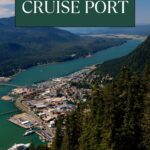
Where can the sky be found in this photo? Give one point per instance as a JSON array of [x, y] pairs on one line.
[[143, 11], [7, 9]]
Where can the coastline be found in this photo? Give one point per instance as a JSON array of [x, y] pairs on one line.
[[119, 36], [71, 59], [55, 71], [27, 111]]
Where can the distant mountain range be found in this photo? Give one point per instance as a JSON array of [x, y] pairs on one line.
[[138, 30], [41, 35], [136, 61], [21, 48]]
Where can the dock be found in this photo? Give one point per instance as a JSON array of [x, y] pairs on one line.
[[23, 120]]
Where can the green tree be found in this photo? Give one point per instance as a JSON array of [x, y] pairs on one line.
[[32, 146], [146, 118], [132, 134], [56, 145]]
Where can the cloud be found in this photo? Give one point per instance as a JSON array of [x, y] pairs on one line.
[[7, 8], [6, 2], [6, 12]]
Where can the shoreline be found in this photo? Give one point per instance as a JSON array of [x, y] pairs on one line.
[[55, 62], [56, 77], [20, 104], [119, 36]]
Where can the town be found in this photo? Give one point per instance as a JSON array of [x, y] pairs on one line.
[[44, 102]]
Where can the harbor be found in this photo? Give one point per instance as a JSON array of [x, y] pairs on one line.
[[48, 72], [24, 120], [45, 102]]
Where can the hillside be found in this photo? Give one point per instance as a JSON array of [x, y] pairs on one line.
[[28, 35], [136, 61], [115, 116], [21, 48]]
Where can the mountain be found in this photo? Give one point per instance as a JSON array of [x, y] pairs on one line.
[[138, 30], [25, 47], [25, 35], [21, 48], [136, 61], [115, 116]]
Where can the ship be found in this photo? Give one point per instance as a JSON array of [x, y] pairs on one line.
[[20, 147], [89, 55], [28, 132]]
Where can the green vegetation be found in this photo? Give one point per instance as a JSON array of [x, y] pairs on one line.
[[135, 61], [21, 48], [116, 117]]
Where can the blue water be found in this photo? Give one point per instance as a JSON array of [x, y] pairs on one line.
[[10, 133]]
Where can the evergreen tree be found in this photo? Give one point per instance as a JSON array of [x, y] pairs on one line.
[[42, 147], [116, 117], [146, 118], [119, 104], [66, 142], [134, 113], [32, 146], [56, 145]]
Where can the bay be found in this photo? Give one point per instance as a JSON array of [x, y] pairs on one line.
[[10, 133]]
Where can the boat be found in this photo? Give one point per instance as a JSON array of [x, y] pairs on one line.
[[20, 146], [89, 55], [28, 132]]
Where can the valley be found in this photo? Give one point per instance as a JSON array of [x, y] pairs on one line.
[[49, 72], [22, 48]]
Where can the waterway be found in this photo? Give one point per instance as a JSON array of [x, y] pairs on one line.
[[10, 133]]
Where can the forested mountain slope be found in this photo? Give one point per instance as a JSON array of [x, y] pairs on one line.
[[117, 115], [21, 48], [135, 61]]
